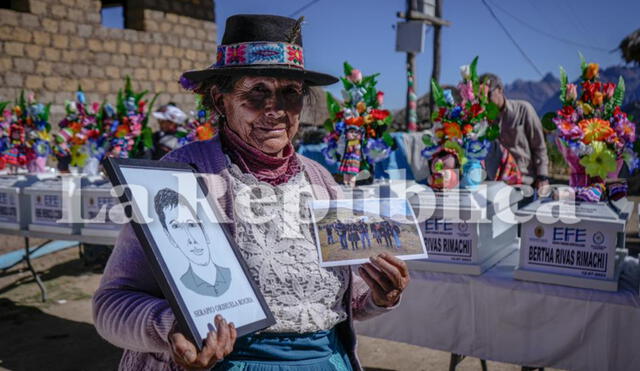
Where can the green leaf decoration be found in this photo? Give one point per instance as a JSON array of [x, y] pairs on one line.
[[120, 108], [388, 120], [346, 83], [388, 139], [563, 85], [473, 72], [140, 95], [492, 111], [438, 95], [147, 137], [22, 103], [493, 132], [3, 105], [149, 110], [583, 63], [328, 125], [347, 68], [332, 105], [547, 121], [618, 94], [47, 111], [128, 90], [427, 139]]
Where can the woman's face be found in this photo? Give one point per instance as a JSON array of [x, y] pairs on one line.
[[264, 111]]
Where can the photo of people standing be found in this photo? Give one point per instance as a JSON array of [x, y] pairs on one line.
[[348, 233]]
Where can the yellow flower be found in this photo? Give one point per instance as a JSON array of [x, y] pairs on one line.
[[600, 162], [361, 107], [591, 71], [368, 119], [586, 108]]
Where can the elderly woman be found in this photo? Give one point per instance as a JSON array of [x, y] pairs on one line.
[[257, 86]]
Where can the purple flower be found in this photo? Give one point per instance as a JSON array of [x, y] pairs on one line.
[[376, 150]]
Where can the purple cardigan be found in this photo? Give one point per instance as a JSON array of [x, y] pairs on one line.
[[129, 309]]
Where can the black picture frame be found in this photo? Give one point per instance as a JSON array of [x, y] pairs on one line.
[[186, 323]]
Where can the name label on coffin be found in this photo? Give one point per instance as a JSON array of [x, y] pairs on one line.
[[47, 208], [584, 249], [8, 207], [448, 241]]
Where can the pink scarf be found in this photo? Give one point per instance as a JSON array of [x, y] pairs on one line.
[[266, 168]]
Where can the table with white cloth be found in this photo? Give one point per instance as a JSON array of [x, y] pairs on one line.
[[495, 317]]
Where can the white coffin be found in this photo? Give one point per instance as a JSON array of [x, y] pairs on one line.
[[468, 231], [14, 204], [579, 244], [46, 207], [98, 209]]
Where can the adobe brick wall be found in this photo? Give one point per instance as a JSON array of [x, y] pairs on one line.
[[61, 43]]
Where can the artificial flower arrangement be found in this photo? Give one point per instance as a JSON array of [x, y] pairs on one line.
[[462, 134], [81, 136], [201, 126], [126, 128], [593, 134], [25, 135], [357, 128]]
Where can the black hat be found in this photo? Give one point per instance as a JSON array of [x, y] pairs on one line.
[[260, 45]]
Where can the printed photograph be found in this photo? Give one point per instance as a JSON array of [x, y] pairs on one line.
[[350, 231]]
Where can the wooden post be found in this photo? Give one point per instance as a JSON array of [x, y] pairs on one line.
[[411, 107], [435, 73]]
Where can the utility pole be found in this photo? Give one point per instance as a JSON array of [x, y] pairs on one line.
[[410, 39], [435, 73], [412, 99]]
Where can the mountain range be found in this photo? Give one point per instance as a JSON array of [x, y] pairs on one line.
[[544, 95]]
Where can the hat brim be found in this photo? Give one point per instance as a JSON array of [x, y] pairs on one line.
[[311, 77]]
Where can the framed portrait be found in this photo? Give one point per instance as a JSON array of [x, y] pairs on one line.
[[350, 231], [192, 253]]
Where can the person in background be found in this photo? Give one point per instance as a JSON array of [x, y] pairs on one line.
[[364, 234], [396, 235], [341, 230], [165, 140], [521, 134], [330, 240]]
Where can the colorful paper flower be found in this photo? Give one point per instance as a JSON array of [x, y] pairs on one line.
[[569, 130], [452, 130], [595, 130], [600, 162], [591, 71]]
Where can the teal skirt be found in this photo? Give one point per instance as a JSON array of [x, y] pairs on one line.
[[317, 351]]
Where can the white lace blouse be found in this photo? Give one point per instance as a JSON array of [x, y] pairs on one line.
[[282, 257]]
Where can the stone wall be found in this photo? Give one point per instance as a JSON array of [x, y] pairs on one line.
[[61, 44]]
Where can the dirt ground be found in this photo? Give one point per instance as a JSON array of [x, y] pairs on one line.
[[59, 335]]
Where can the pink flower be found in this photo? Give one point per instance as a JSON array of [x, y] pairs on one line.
[[380, 98], [572, 92], [609, 89], [355, 76], [466, 91]]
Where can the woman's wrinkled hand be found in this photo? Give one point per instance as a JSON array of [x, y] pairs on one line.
[[217, 346], [387, 276]]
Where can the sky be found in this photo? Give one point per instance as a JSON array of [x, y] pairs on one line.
[[362, 33]]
